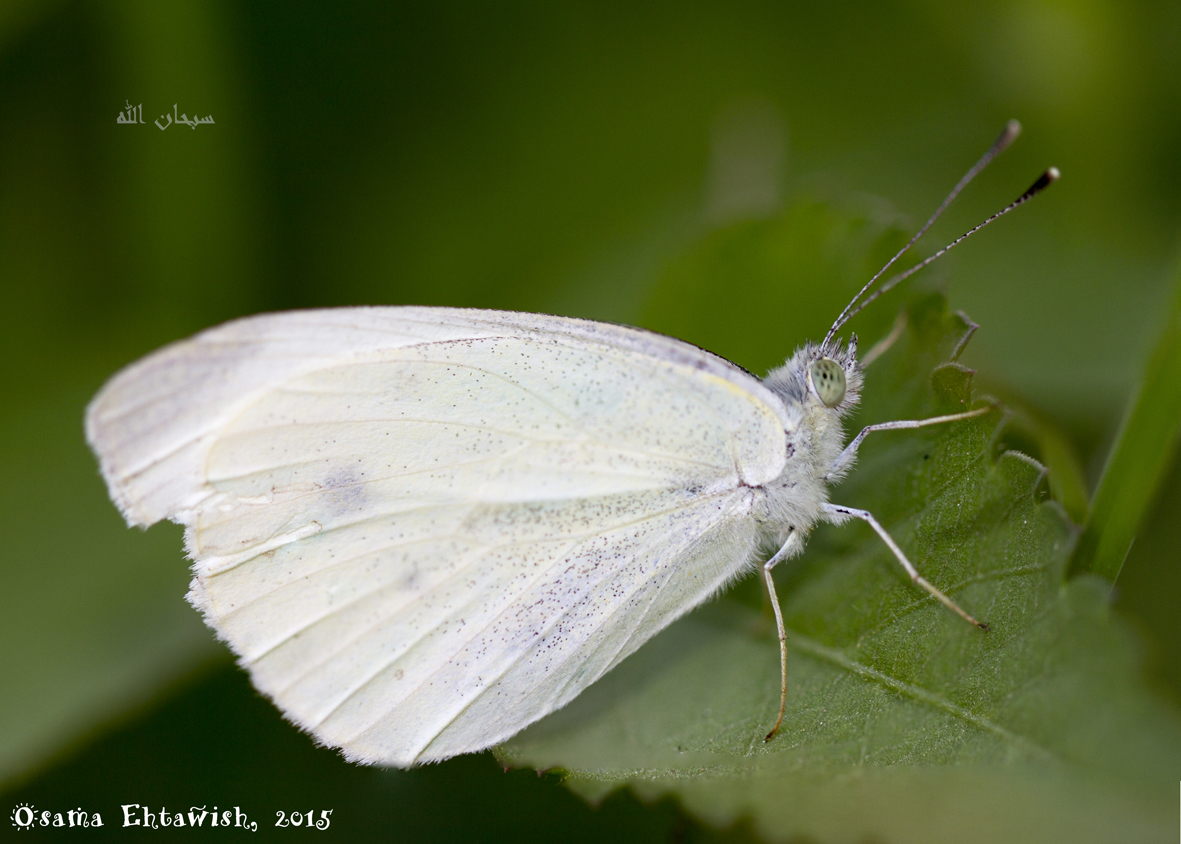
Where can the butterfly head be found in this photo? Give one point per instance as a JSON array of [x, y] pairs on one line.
[[823, 377]]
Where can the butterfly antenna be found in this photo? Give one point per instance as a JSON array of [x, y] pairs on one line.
[[1007, 136], [1044, 181]]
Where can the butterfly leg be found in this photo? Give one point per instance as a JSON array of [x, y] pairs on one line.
[[838, 514], [845, 459], [882, 346], [793, 546]]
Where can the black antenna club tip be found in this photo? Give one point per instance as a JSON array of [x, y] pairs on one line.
[[1044, 181]]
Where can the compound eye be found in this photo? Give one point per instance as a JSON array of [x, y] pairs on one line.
[[828, 380]]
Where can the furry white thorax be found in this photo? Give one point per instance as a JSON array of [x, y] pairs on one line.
[[815, 438]]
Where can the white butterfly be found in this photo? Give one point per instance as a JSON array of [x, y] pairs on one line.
[[422, 529]]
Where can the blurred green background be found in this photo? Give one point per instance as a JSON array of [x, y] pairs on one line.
[[532, 156]]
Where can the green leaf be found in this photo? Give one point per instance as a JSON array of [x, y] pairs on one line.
[[903, 722], [1029, 428], [1146, 441]]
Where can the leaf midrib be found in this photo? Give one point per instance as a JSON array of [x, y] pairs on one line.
[[837, 657]]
